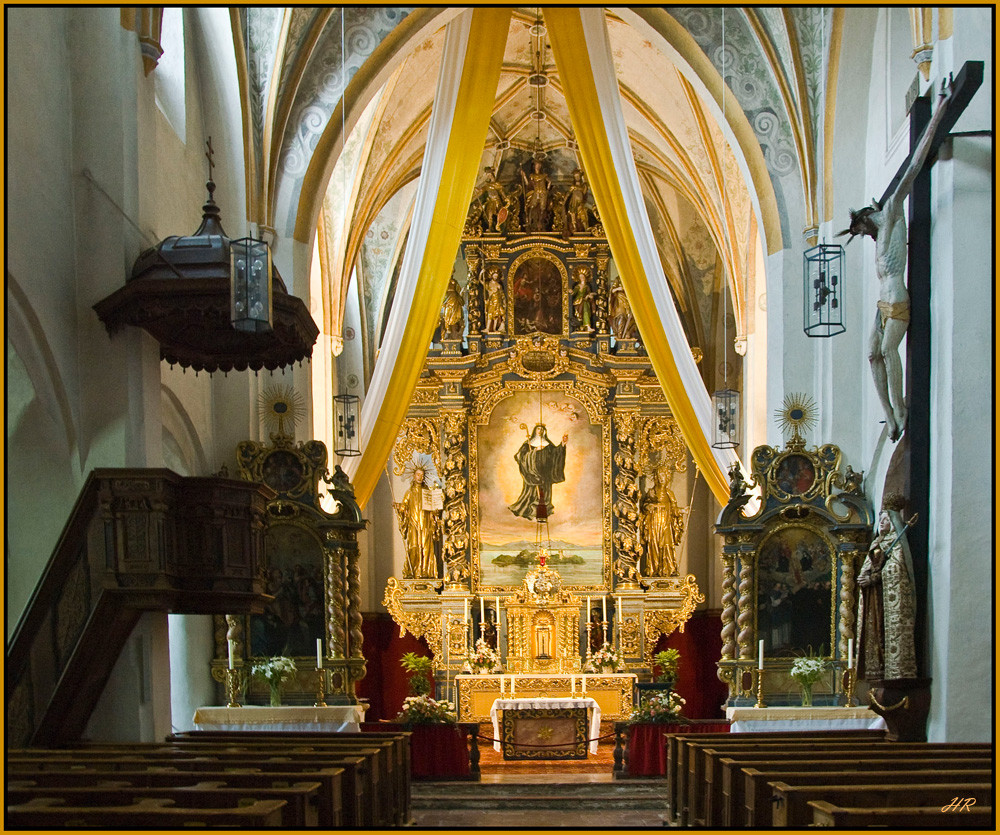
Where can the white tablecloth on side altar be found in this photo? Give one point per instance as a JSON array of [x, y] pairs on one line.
[[527, 704], [330, 719], [773, 719]]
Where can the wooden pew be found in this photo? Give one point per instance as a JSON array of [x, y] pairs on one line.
[[395, 772], [689, 769], [677, 755], [150, 813], [747, 797], [791, 803], [927, 817], [329, 803], [705, 777], [352, 773], [300, 809]]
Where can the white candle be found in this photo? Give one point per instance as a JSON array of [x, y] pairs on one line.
[[572, 685], [501, 685], [619, 611], [498, 614], [232, 657], [850, 653], [604, 608], [319, 653], [466, 601], [482, 610], [584, 684], [513, 686], [760, 654]]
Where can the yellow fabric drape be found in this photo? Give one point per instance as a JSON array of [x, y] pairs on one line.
[[473, 109], [569, 48]]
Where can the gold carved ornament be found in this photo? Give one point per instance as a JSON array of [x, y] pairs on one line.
[[665, 621], [426, 625], [417, 435]]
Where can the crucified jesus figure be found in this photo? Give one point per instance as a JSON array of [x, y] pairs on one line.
[[886, 225]]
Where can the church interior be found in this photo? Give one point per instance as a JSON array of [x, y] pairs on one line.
[[538, 368]]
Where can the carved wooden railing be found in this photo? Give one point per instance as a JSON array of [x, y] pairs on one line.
[[137, 540]]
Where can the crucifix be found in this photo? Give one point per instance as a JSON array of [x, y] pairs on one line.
[[907, 305]]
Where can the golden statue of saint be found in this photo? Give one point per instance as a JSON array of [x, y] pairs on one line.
[[661, 526], [452, 314], [419, 527]]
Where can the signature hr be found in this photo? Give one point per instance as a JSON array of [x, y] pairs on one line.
[[960, 804]]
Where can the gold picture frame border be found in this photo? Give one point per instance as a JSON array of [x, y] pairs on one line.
[[480, 414]]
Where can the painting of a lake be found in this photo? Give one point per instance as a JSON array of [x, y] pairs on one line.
[[577, 565]]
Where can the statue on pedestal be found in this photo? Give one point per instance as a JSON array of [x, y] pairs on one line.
[[661, 526], [452, 314], [420, 525]]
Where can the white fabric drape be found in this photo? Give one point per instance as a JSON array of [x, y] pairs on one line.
[[606, 81], [442, 115]]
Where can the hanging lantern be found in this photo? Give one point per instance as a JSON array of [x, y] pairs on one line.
[[345, 415], [250, 271], [726, 429], [823, 309]]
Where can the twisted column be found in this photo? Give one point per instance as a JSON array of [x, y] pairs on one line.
[[847, 611], [354, 619], [744, 620], [728, 609]]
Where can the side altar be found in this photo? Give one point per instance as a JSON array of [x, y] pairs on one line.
[[542, 486]]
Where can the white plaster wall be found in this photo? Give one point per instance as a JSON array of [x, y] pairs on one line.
[[191, 650]]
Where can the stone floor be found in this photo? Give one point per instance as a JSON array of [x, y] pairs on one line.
[[540, 801]]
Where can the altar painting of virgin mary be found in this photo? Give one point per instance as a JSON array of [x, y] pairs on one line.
[[540, 463]]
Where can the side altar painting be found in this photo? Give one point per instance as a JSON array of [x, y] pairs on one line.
[[540, 484]]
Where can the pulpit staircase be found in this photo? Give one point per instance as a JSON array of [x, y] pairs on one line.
[[137, 540]]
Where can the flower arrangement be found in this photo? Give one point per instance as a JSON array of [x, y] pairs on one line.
[[484, 658], [419, 667], [807, 670], [667, 661], [604, 657], [275, 671], [424, 710], [660, 707]]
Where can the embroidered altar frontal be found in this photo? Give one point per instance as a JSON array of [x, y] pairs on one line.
[[544, 733]]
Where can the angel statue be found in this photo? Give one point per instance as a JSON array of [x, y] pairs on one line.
[[419, 517]]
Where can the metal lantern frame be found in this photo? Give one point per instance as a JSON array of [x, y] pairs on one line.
[[346, 418], [727, 419], [252, 274], [823, 291]]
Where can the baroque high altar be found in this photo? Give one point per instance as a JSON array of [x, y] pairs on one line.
[[538, 468]]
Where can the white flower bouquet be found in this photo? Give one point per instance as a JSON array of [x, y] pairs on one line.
[[604, 657], [424, 710], [484, 657], [808, 670], [660, 707], [274, 671]]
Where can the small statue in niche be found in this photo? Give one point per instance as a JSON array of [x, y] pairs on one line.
[[622, 321], [595, 630], [577, 211], [420, 525], [661, 526], [452, 314], [496, 301], [583, 300], [887, 601], [536, 197], [494, 199]]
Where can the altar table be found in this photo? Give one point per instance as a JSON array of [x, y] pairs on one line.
[[524, 704], [475, 694], [329, 719], [747, 719]]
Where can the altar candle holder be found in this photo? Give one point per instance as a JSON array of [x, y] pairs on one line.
[[850, 681], [235, 679], [322, 687], [760, 688]]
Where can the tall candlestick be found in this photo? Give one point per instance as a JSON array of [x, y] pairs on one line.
[[319, 653], [760, 654], [619, 611], [232, 658], [850, 653], [482, 610], [604, 608]]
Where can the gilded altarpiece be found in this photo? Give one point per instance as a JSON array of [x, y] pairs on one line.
[[540, 366], [312, 569], [789, 569]]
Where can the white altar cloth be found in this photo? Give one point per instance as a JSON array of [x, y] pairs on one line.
[[527, 704], [331, 719], [768, 719]]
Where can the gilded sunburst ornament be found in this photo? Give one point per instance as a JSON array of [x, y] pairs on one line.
[[798, 412], [280, 406]]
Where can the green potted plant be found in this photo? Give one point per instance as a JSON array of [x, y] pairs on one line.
[[665, 664], [419, 667]]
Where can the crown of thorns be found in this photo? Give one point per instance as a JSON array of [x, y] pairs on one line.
[[857, 215]]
